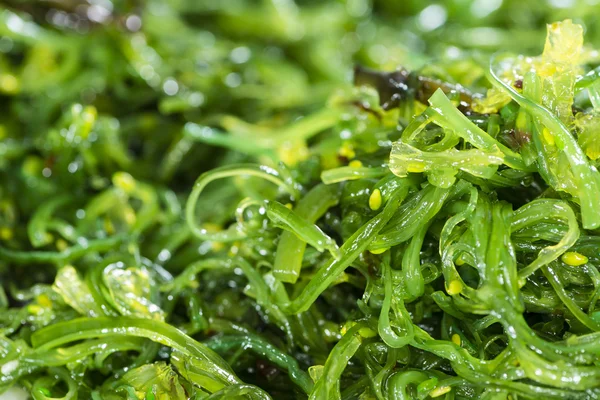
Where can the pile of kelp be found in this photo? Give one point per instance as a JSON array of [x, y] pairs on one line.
[[431, 232]]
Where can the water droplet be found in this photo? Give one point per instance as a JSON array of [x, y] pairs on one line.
[[171, 87], [164, 255], [432, 17], [133, 23], [73, 167], [482, 8], [561, 3], [378, 53], [98, 13], [357, 8], [233, 80], [9, 367], [196, 99], [147, 72], [240, 55]]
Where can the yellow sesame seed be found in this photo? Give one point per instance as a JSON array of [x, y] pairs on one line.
[[548, 137], [521, 121], [456, 339], [88, 115], [347, 151], [346, 327], [34, 309], [592, 153], [367, 332], [44, 301], [454, 287], [108, 226], [6, 233], [132, 248], [289, 205], [217, 246], [129, 216], [375, 200], [574, 259], [211, 227], [379, 251], [415, 167], [342, 278], [460, 261], [48, 237], [291, 153], [9, 84], [32, 165], [61, 244], [329, 161], [355, 164], [124, 181], [440, 391]]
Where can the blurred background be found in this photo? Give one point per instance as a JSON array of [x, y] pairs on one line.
[[126, 76], [245, 56]]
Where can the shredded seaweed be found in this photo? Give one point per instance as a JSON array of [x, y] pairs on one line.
[[196, 203]]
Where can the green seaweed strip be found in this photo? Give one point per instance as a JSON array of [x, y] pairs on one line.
[[234, 233], [351, 249], [327, 386], [450, 117], [68, 255], [84, 328], [267, 350], [290, 249], [588, 180]]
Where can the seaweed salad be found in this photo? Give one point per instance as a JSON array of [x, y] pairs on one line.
[[279, 199]]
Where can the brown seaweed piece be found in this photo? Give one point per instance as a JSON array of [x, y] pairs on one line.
[[400, 85]]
